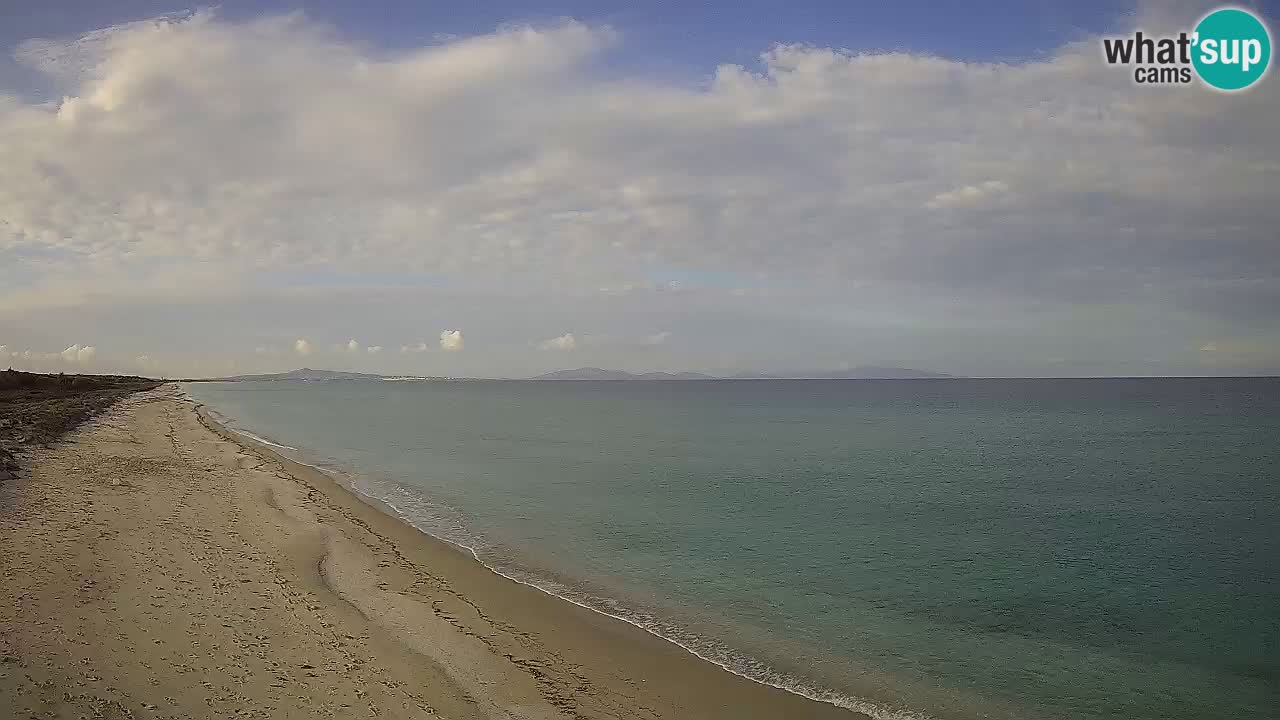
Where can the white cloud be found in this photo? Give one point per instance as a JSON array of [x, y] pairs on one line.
[[581, 176], [188, 159], [564, 342], [421, 347], [657, 338], [74, 358], [969, 195], [451, 340], [373, 349], [1263, 352], [79, 354], [302, 347]]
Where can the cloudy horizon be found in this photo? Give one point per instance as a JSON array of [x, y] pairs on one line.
[[221, 192]]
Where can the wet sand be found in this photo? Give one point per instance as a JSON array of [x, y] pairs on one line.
[[156, 566]]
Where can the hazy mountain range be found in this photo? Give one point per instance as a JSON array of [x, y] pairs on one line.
[[302, 374], [593, 373], [858, 373]]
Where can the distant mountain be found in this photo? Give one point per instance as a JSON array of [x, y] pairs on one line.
[[591, 373], [859, 373], [586, 373], [674, 376], [866, 372], [595, 373], [302, 374], [874, 373]]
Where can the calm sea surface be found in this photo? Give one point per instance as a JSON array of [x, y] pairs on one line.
[[944, 549]]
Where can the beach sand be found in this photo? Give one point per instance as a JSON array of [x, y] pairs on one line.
[[155, 567]]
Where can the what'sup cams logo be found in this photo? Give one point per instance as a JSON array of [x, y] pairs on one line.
[[1229, 50]]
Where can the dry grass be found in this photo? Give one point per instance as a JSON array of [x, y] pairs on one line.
[[37, 409]]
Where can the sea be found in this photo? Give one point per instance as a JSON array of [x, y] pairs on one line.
[[951, 548]]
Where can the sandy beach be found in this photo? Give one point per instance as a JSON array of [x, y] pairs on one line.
[[156, 567]]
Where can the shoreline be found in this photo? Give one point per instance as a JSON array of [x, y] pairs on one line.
[[857, 707], [315, 475], [163, 569]]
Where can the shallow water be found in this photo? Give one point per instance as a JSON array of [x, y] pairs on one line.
[[949, 549]]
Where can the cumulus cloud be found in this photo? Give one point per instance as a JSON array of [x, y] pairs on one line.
[[1260, 351], [302, 347], [969, 195], [564, 342], [451, 340], [354, 347], [283, 143], [76, 358], [616, 341], [285, 146], [421, 347], [79, 354], [657, 338]]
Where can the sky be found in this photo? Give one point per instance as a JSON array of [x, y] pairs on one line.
[[499, 191]]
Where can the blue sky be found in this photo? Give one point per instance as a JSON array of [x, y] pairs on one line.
[[626, 185], [684, 33], [674, 39]]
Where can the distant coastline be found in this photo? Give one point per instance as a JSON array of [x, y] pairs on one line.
[[598, 374]]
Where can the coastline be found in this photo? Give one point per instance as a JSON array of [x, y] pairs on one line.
[[444, 635], [328, 483], [855, 707]]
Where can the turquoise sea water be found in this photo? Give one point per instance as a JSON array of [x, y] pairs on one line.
[[944, 549]]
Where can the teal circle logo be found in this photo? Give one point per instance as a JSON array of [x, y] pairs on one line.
[[1232, 49]]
